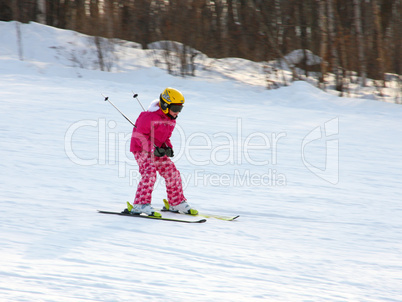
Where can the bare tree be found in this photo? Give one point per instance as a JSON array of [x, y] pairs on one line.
[[94, 18], [108, 18], [333, 47], [360, 42], [19, 41], [6, 12], [379, 39], [41, 12], [323, 25], [393, 37]]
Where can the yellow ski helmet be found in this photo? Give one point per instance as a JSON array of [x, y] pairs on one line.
[[170, 97]]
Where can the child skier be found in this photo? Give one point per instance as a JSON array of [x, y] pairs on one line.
[[152, 149]]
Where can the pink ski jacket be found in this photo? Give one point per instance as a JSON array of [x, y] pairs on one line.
[[153, 128]]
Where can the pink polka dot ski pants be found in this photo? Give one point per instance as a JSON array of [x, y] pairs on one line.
[[149, 165]]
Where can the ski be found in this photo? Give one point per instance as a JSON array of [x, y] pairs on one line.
[[220, 217], [152, 217]]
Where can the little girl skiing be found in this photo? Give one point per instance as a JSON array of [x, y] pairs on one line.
[[152, 149]]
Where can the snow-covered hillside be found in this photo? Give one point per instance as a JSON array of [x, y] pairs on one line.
[[44, 46], [315, 178]]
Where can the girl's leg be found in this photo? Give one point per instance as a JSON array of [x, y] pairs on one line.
[[148, 177], [169, 172]]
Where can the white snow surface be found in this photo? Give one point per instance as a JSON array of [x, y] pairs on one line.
[[316, 180]]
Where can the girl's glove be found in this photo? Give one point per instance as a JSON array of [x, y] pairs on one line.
[[169, 152], [159, 152]]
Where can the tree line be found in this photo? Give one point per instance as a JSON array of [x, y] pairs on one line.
[[363, 36]]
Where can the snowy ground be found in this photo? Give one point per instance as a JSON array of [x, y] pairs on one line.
[[315, 178]]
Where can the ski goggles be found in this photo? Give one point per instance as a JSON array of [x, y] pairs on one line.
[[176, 107]]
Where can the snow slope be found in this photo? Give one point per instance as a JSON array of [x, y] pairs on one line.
[[315, 178]]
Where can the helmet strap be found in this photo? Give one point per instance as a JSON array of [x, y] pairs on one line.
[[171, 116]]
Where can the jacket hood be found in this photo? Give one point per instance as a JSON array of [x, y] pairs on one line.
[[154, 106]]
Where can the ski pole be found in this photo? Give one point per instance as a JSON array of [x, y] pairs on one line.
[[135, 96], [107, 99]]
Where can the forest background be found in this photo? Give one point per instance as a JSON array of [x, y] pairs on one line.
[[353, 39]]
